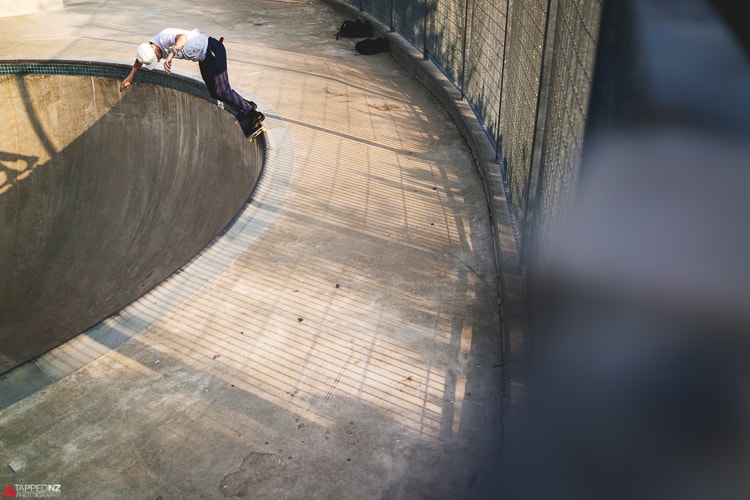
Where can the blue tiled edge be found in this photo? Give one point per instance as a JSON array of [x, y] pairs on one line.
[[101, 70]]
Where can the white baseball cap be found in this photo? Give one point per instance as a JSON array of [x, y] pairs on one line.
[[146, 55]]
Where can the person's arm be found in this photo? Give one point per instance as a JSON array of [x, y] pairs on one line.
[[179, 44], [128, 81]]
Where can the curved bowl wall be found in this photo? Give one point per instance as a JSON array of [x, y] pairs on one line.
[[104, 194]]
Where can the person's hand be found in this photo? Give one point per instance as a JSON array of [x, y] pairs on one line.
[[126, 83], [168, 63]]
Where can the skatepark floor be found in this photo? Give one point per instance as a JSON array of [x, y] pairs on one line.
[[349, 347]]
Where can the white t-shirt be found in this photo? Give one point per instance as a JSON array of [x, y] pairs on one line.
[[194, 50]]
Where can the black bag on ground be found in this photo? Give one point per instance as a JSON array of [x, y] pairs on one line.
[[372, 46], [359, 27]]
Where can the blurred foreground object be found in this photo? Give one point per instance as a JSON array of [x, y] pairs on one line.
[[640, 330], [640, 307]]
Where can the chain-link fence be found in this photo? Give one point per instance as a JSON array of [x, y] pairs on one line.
[[525, 66], [520, 98], [561, 121]]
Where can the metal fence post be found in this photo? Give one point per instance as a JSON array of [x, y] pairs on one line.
[[393, 21], [537, 165], [463, 50], [424, 34], [498, 134]]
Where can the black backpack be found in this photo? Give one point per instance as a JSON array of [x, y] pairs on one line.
[[359, 27], [372, 46]]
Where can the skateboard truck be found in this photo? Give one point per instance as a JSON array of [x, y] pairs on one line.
[[251, 138]]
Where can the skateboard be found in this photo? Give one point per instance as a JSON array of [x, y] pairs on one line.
[[251, 126]]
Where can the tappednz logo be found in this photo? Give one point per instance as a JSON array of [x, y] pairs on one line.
[[9, 492]]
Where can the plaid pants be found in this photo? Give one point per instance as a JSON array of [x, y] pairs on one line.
[[214, 73]]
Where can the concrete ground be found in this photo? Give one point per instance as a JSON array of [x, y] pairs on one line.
[[350, 350]]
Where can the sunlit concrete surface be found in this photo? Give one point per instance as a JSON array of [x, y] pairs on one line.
[[348, 346], [10, 8]]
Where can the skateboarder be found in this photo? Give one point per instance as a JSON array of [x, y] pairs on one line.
[[211, 56]]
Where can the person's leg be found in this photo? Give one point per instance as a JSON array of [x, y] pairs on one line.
[[206, 72], [214, 72]]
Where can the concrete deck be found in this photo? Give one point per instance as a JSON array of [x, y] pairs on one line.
[[340, 341]]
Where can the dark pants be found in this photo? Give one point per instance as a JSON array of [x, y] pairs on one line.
[[214, 73]]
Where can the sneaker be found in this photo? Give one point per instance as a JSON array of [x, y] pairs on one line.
[[250, 116], [250, 122]]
